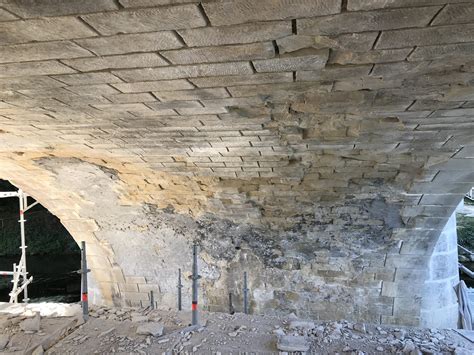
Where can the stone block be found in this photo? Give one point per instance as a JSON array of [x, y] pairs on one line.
[[131, 98], [165, 85], [97, 89], [455, 14], [30, 9], [122, 107], [334, 72], [33, 68], [234, 80], [411, 275], [239, 11], [126, 43], [87, 78], [49, 29], [197, 94], [220, 54], [201, 110], [185, 71], [444, 266], [246, 33], [311, 61], [147, 20], [426, 36], [407, 305], [128, 287], [368, 21], [357, 5], [145, 3], [175, 104], [41, 51], [7, 16], [454, 51], [416, 261], [139, 60], [374, 56], [358, 42]]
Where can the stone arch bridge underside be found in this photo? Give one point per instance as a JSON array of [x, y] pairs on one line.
[[321, 145]]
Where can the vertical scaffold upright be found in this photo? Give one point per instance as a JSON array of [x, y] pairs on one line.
[[20, 275]]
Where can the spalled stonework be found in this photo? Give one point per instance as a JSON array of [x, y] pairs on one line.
[[320, 145]]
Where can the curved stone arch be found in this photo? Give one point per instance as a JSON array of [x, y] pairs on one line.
[[105, 273], [429, 245]]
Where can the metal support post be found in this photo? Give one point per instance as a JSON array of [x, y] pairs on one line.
[[84, 291], [195, 278], [246, 290], [180, 286], [152, 300], [231, 306]]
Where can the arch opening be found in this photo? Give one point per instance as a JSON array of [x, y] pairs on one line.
[[52, 255]]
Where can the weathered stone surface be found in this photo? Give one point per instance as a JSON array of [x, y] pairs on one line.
[[29, 9], [368, 21], [455, 13], [220, 54], [131, 98], [239, 11], [322, 176], [7, 16], [41, 51], [356, 5], [376, 56], [453, 51], [292, 343], [146, 20], [87, 78], [245, 33], [138, 60], [31, 324], [145, 86], [242, 79], [49, 29], [143, 42], [290, 63], [358, 42], [198, 94], [33, 68], [334, 72], [426, 36], [185, 71], [151, 328]]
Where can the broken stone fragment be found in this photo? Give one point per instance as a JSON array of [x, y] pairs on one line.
[[301, 324], [152, 328], [292, 343], [4, 339], [31, 325], [139, 319], [360, 327]]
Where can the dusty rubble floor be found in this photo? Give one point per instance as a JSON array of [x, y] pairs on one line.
[[112, 330]]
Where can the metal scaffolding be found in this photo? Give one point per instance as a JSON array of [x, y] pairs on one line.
[[20, 275]]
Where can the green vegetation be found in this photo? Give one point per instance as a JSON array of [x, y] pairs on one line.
[[44, 235], [465, 228]]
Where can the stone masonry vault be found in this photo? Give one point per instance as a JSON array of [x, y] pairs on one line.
[[321, 145]]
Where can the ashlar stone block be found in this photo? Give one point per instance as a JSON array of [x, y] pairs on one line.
[[227, 12], [147, 20], [220, 54], [139, 60], [185, 71], [311, 61], [245, 33], [368, 21], [143, 42], [41, 51]]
